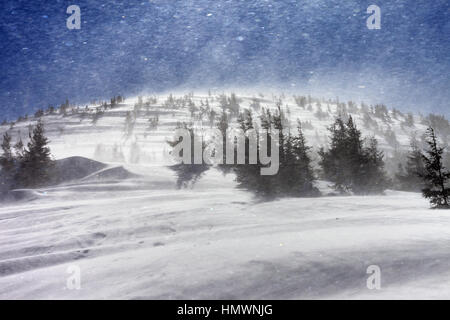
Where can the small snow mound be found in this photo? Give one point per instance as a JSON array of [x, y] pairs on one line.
[[79, 168], [75, 168]]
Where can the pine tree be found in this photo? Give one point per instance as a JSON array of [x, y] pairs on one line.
[[295, 175], [278, 121], [349, 164], [6, 159], [211, 117], [36, 165], [249, 176], [189, 173], [355, 158], [241, 121], [223, 125], [372, 175], [39, 113], [300, 177], [97, 115], [233, 104], [6, 163], [63, 108], [436, 176], [409, 176], [130, 121], [153, 123], [19, 148], [334, 160]]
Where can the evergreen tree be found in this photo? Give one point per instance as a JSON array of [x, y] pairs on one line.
[[223, 125], [436, 176], [189, 173], [7, 164], [349, 164], [63, 108], [410, 176], [6, 159], [233, 104], [211, 116], [300, 101], [19, 148], [372, 177], [334, 160], [266, 119], [278, 121], [153, 123], [36, 164], [249, 176], [299, 178], [358, 160], [130, 122], [97, 115], [39, 113], [295, 176], [255, 105]]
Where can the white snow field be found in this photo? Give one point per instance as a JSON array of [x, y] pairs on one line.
[[141, 238]]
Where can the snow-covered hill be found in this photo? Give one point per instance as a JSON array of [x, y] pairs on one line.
[[77, 135], [137, 236]]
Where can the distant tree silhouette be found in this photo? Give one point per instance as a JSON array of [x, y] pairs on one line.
[[436, 176], [36, 164], [7, 163], [188, 173], [409, 176]]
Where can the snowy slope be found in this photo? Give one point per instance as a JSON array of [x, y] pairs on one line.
[[155, 242], [142, 238], [77, 136]]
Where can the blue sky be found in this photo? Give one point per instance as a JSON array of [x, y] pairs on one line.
[[320, 46]]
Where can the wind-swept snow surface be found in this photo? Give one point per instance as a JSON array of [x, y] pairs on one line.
[[142, 239]]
